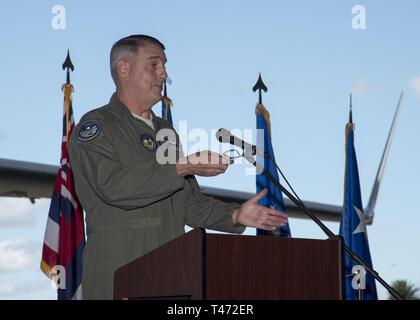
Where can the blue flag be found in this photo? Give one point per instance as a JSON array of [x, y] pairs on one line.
[[274, 197], [166, 109], [353, 227]]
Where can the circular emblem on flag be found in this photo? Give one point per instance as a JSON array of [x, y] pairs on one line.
[[148, 142], [89, 129]]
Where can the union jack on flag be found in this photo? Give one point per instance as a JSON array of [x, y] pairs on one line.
[[64, 238]]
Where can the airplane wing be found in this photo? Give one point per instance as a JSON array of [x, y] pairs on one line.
[[323, 211], [26, 179], [35, 180]]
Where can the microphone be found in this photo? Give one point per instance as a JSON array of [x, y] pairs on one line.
[[225, 136]]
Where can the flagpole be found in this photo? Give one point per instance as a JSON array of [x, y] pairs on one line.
[[260, 86], [67, 89], [324, 228]]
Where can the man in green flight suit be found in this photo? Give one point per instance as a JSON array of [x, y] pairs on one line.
[[133, 202]]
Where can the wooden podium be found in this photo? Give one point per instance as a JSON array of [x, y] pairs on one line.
[[198, 265]]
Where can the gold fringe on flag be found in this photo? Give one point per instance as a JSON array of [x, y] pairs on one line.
[[47, 270], [261, 110], [167, 104], [68, 89]]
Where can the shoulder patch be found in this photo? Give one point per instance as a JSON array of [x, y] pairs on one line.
[[89, 130]]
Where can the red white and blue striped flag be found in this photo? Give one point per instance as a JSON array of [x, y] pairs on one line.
[[64, 238]]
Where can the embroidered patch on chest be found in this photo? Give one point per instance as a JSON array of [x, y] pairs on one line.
[[148, 142]]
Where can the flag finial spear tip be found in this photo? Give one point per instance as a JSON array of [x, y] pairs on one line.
[[259, 86], [68, 65], [351, 110]]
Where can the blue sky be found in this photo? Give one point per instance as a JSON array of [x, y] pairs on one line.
[[310, 58]]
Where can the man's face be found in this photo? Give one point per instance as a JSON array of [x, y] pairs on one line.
[[146, 74]]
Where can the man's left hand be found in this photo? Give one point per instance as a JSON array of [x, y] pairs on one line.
[[251, 214]]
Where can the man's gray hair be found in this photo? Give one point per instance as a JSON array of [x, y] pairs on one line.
[[128, 46]]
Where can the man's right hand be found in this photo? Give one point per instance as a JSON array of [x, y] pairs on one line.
[[203, 163]]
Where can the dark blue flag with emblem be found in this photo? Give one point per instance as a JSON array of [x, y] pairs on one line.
[[357, 283], [274, 197], [166, 106]]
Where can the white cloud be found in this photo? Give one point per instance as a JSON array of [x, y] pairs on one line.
[[7, 288], [18, 254], [15, 212], [361, 87], [415, 85], [10, 289]]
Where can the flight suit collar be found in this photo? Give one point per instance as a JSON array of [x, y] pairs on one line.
[[118, 106]]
